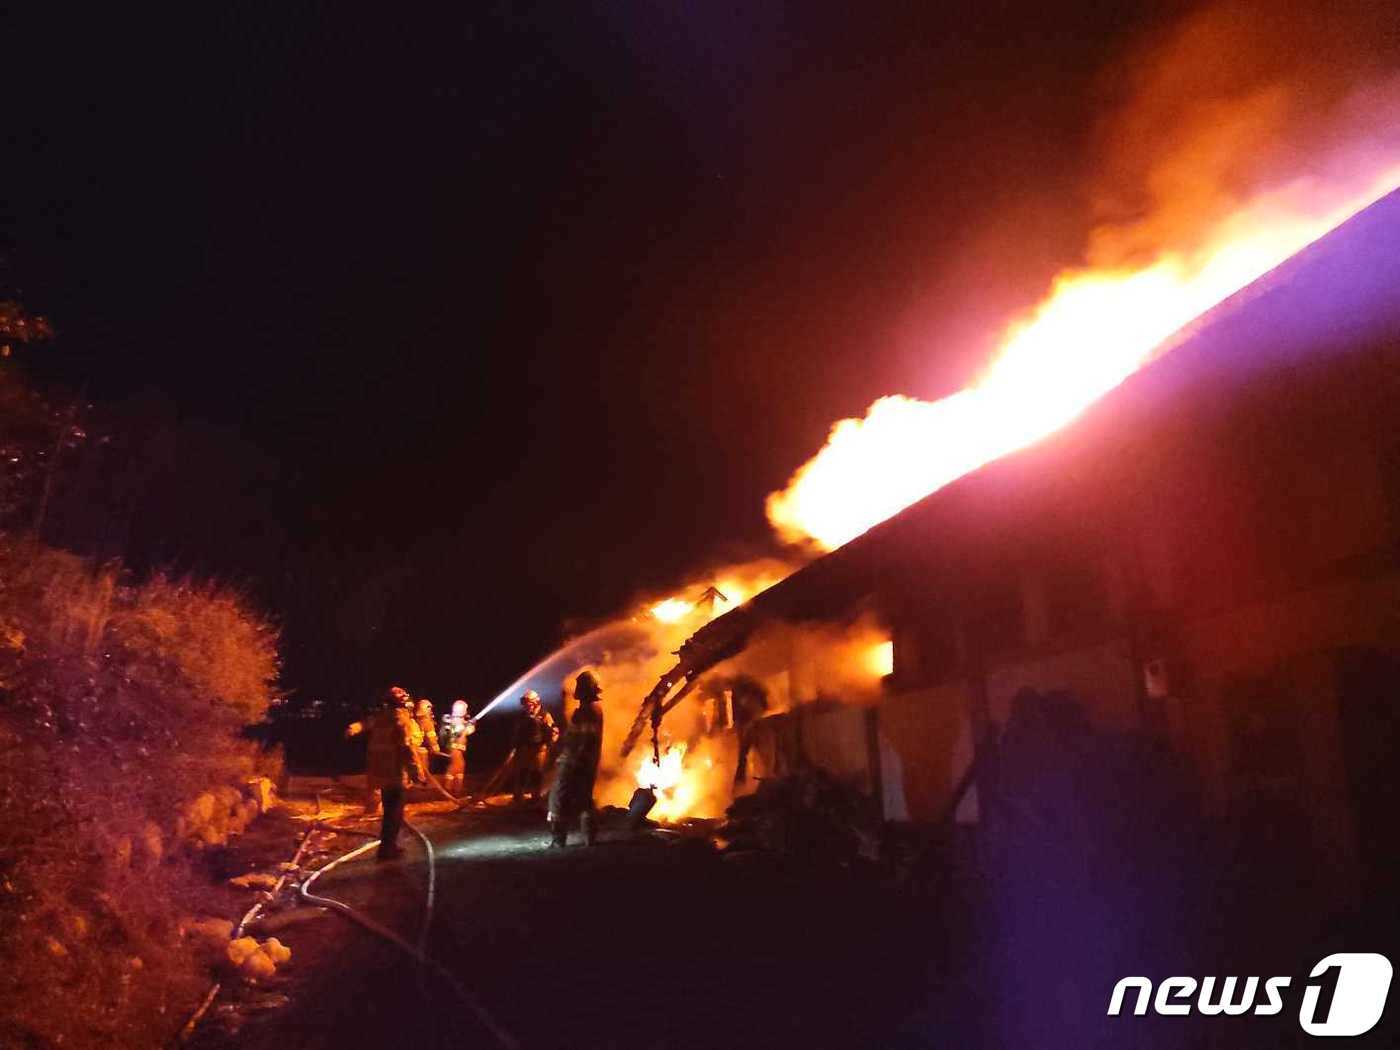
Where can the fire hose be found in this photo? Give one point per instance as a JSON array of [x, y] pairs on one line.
[[485, 792], [248, 917], [433, 783], [476, 796], [481, 795], [417, 952]]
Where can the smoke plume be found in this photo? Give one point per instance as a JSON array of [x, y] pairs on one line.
[[1232, 142], [1236, 101]]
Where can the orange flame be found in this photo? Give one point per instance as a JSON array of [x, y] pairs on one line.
[[733, 590], [879, 659], [672, 610], [677, 787], [1092, 331], [666, 774]]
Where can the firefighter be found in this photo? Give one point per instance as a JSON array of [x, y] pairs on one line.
[[425, 738], [396, 696], [572, 794], [389, 763], [423, 715], [405, 700], [456, 727], [749, 703], [535, 735]]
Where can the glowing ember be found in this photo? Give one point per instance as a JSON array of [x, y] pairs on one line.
[[1091, 332], [672, 610]]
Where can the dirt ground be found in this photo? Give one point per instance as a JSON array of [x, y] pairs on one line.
[[661, 941], [656, 941]]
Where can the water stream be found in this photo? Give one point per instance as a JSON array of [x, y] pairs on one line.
[[550, 673]]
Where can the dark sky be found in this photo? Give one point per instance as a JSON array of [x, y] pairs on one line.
[[453, 326]]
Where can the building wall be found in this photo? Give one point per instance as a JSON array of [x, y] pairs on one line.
[[1261, 712], [929, 730], [1238, 554], [1103, 677], [1254, 698]]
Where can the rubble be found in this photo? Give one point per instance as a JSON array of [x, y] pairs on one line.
[[809, 813]]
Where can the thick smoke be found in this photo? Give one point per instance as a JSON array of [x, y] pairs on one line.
[[802, 662], [1237, 101], [1230, 143]]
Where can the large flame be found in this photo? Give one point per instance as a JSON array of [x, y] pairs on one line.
[[672, 610], [727, 592], [676, 784], [698, 749], [1092, 331]]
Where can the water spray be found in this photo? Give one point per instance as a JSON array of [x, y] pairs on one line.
[[569, 657]]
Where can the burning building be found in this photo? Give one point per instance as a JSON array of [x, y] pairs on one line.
[[1207, 556]]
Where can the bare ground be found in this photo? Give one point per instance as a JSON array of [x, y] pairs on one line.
[[656, 942]]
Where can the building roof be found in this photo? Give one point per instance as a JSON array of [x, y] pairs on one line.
[[1338, 295]]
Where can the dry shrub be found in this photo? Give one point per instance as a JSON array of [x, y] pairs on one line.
[[120, 701]]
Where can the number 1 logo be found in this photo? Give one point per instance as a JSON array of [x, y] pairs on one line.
[[1346, 994]]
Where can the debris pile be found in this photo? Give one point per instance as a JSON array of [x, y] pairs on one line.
[[809, 814]]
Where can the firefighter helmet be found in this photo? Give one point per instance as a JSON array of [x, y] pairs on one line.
[[586, 687]]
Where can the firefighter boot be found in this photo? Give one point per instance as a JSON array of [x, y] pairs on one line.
[[559, 834], [590, 827]]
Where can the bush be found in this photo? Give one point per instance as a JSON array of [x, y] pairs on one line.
[[120, 703]]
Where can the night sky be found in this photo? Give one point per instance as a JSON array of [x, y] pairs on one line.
[[445, 329]]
